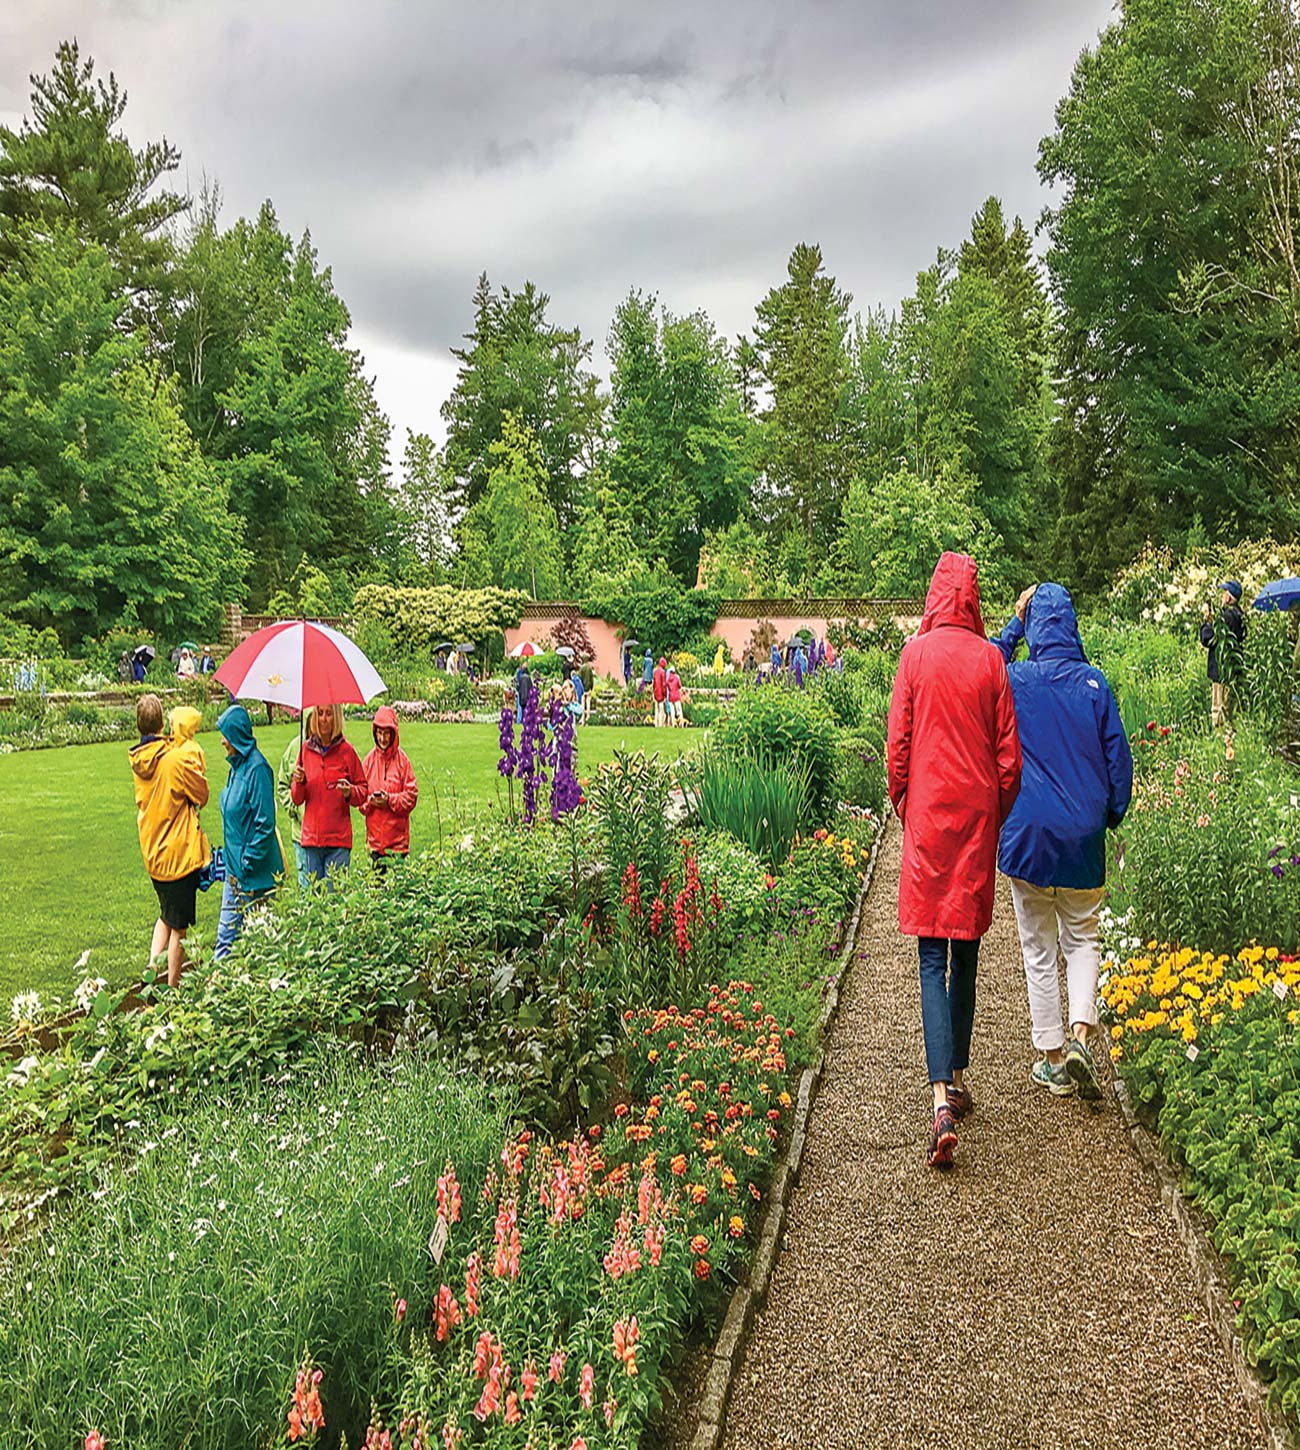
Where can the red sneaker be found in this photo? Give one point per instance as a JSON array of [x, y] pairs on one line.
[[943, 1139], [961, 1101]]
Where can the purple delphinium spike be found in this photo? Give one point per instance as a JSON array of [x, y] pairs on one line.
[[506, 739], [566, 793]]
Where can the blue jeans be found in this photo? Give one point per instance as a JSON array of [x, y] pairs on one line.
[[947, 1004], [234, 903], [316, 862]]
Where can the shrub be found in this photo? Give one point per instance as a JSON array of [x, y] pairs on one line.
[[741, 879], [658, 613], [860, 775], [1210, 849], [571, 630], [774, 726], [630, 798], [417, 619]]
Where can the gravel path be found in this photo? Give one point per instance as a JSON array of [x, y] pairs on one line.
[[1034, 1296]]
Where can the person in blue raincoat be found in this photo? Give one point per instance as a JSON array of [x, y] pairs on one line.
[[647, 669], [778, 663], [1076, 783], [251, 845]]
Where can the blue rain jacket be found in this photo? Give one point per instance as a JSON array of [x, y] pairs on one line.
[[252, 850], [1078, 769]]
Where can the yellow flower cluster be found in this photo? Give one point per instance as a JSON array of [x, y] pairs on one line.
[[1181, 992], [852, 855]]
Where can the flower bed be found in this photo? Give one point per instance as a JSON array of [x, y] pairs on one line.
[[1207, 1045]]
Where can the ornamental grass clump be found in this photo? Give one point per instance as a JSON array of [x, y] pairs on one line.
[[173, 1307]]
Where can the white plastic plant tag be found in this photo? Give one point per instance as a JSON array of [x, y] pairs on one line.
[[438, 1241], [1295, 799], [1279, 989], [1193, 1052]]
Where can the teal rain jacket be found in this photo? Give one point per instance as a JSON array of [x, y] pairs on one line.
[[248, 808]]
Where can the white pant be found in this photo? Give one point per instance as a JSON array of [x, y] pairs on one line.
[[1045, 914]]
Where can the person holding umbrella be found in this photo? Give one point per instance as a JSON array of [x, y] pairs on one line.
[[328, 782], [523, 687]]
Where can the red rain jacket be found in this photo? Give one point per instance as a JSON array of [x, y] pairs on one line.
[[659, 681], [954, 761], [326, 818], [388, 826]]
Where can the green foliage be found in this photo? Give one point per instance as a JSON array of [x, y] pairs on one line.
[[630, 796], [285, 1216], [800, 333], [657, 612], [777, 726], [896, 528], [513, 528], [69, 167], [757, 800], [1196, 847], [860, 780], [1178, 316], [739, 875], [420, 618], [516, 361], [105, 502], [1268, 677], [681, 461], [1154, 675]]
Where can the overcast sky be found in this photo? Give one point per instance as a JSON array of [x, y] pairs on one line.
[[683, 148]]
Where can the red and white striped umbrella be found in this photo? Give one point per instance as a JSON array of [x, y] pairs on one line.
[[299, 663], [525, 649]]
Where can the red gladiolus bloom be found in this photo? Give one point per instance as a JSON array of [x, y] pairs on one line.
[[94, 1441]]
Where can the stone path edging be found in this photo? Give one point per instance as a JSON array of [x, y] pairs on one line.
[[1207, 1269], [728, 1351]]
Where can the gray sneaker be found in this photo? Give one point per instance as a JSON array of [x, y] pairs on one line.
[[1056, 1080], [1083, 1071]]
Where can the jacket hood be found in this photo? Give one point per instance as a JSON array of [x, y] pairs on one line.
[[1051, 628], [145, 758], [386, 719], [185, 722], [663, 663], [235, 725], [954, 595]]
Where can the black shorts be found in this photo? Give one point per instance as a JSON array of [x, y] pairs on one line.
[[176, 901]]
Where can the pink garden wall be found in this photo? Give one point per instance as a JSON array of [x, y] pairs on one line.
[[735, 624]]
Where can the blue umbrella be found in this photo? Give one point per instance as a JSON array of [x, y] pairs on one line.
[[1280, 594]]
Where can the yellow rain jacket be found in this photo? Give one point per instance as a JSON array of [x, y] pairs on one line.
[[171, 784]]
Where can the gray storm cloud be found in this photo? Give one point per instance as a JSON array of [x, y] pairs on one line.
[[681, 148]]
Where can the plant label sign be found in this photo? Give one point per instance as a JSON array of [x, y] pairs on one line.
[[1279, 989], [438, 1240], [1193, 1052]]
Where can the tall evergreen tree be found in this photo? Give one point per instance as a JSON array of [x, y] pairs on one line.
[[680, 463], [70, 166], [516, 361], [800, 334]]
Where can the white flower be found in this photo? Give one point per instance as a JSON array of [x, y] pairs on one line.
[[26, 1008], [86, 993]]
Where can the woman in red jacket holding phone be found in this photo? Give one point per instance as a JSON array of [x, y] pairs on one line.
[[328, 783], [391, 792]]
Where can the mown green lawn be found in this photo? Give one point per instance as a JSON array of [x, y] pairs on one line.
[[71, 876]]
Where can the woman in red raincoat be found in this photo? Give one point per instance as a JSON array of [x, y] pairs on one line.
[[391, 793], [954, 773]]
